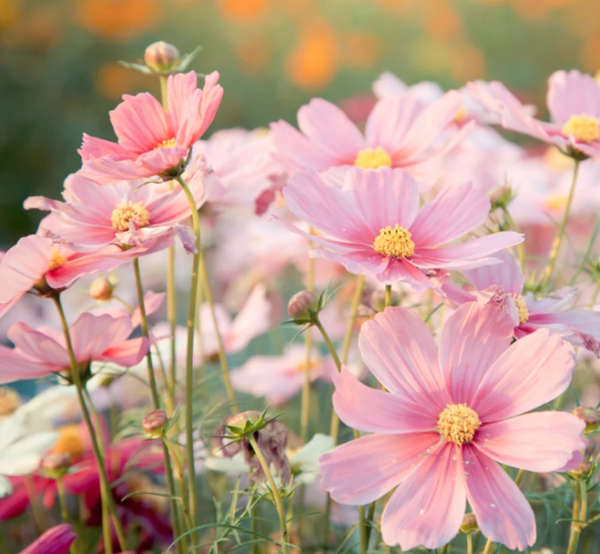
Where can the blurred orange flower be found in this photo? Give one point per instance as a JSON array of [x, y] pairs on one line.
[[243, 10], [313, 64], [113, 80], [9, 13], [441, 19], [117, 20], [361, 49]]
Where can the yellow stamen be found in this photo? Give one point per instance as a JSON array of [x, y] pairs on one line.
[[167, 143], [301, 367], [583, 128], [458, 423], [57, 260], [125, 212], [70, 441], [9, 401], [395, 243], [521, 308], [373, 158]]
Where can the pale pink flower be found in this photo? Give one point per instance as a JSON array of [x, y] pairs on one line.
[[94, 338], [401, 131], [56, 540], [150, 141], [39, 265], [446, 423], [573, 102], [126, 214], [377, 228], [502, 284]]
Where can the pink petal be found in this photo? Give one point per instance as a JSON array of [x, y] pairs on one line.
[[179, 88], [152, 301], [503, 514], [56, 540], [428, 507], [534, 370], [15, 366], [93, 147], [160, 159], [508, 274], [108, 169], [212, 93], [398, 348], [38, 346], [402, 270], [329, 129], [572, 93], [539, 441], [365, 469], [472, 339], [456, 211], [253, 320], [125, 354], [92, 334], [380, 412], [582, 321]]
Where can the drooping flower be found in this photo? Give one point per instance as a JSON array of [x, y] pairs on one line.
[[40, 265], [377, 228], [502, 285], [573, 102], [401, 131], [56, 540], [447, 420], [94, 338], [150, 141]]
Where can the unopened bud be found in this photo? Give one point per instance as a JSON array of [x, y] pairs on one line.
[[582, 470], [302, 304], [378, 300], [55, 465], [590, 416], [501, 197], [469, 523], [154, 423], [101, 289], [161, 56]]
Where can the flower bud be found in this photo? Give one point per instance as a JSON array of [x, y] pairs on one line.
[[154, 423], [302, 304], [101, 289], [161, 56], [590, 416], [378, 300], [469, 523], [582, 470], [501, 197], [55, 464]]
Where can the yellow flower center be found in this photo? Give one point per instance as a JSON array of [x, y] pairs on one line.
[[301, 367], [167, 143], [70, 441], [461, 115], [395, 243], [458, 423], [125, 212], [556, 202], [521, 307], [9, 401], [372, 158], [57, 260], [583, 128]]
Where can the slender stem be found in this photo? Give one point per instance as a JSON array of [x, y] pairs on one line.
[[275, 492], [519, 477], [172, 319], [554, 252], [305, 409], [578, 522], [104, 483], [444, 549], [62, 499], [488, 547], [331, 348], [469, 543], [38, 513], [3, 544], [521, 246], [179, 464], [388, 295]]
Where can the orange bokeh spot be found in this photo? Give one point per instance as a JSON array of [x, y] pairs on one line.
[[361, 49], [113, 80], [117, 20], [254, 55], [467, 63], [9, 13], [243, 10], [441, 19], [313, 64]]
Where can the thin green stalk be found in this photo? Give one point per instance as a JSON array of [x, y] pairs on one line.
[[104, 483], [488, 547], [305, 407], [388, 295], [469, 543], [521, 246], [62, 499], [579, 516], [554, 252], [330, 347], [276, 495], [179, 464], [444, 549], [38, 512], [189, 370], [172, 319], [3, 544]]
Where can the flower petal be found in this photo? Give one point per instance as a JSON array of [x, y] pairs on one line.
[[507, 274]]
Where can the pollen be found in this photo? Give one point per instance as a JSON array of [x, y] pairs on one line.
[[372, 158], [583, 128], [127, 211], [70, 441], [167, 143], [458, 423], [521, 308], [9, 401], [57, 260], [395, 243]]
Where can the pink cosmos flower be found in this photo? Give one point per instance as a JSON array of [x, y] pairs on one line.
[[502, 285], [127, 214], [41, 265], [150, 141], [573, 102], [56, 540], [377, 227], [95, 339], [447, 420], [401, 131]]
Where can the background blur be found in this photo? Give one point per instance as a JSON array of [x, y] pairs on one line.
[[59, 74]]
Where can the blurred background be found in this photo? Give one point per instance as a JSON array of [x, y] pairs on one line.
[[59, 71]]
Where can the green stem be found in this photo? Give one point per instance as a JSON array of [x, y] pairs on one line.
[[579, 516], [469, 543], [488, 547], [3, 544], [62, 499], [275, 492], [444, 549], [172, 319], [305, 409], [388, 295], [330, 347], [555, 251], [38, 513], [521, 246], [104, 483]]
